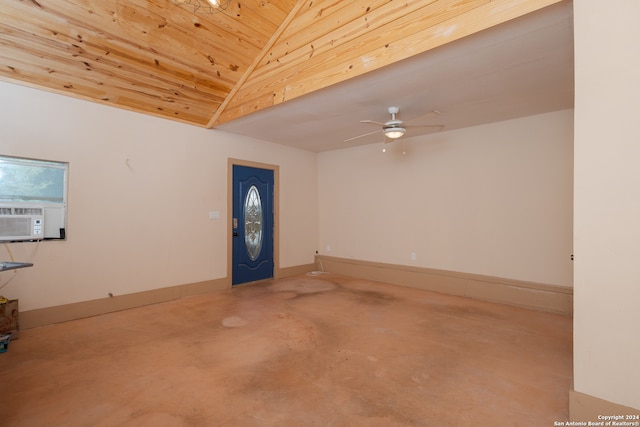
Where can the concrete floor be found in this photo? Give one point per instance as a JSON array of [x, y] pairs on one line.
[[303, 351]]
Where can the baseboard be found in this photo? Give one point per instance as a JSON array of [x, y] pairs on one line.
[[546, 297], [79, 310], [585, 408], [295, 270], [557, 299], [66, 312]]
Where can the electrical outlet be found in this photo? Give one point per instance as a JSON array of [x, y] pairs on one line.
[[413, 256]]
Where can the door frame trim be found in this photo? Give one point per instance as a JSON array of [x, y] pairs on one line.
[[276, 215]]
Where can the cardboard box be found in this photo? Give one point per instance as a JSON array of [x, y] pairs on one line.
[[9, 322]]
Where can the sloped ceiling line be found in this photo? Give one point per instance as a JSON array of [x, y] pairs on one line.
[[155, 58], [353, 48], [265, 50]]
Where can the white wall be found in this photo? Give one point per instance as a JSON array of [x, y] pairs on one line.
[[493, 200], [607, 201], [140, 191]]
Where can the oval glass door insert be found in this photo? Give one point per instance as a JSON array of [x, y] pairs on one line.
[[253, 223]]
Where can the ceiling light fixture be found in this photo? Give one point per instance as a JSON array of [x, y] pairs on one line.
[[203, 6], [394, 132]]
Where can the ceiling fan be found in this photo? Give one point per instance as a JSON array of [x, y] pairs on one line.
[[394, 128]]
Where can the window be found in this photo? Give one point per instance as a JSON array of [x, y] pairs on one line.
[[253, 223], [32, 189]]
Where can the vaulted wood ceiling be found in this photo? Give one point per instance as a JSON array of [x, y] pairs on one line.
[[154, 57]]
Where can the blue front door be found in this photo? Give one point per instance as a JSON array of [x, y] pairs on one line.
[[252, 224]]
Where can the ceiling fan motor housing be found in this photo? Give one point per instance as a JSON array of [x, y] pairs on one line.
[[393, 128]]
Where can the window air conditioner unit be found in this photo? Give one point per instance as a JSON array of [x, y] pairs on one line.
[[21, 222]]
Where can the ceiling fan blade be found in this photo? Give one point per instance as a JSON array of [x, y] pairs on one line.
[[423, 130], [430, 114], [363, 135], [372, 122], [424, 126]]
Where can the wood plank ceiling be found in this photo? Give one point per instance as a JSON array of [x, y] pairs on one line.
[[154, 57]]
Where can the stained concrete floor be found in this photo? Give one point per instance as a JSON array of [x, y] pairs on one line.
[[303, 351]]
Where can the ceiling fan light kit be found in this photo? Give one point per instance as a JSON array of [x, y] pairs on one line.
[[394, 132], [203, 6]]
